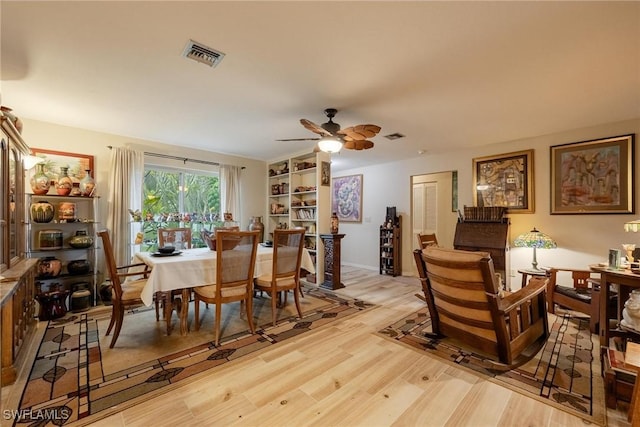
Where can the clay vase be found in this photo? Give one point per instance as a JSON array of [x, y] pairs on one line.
[[65, 184], [79, 266], [87, 184], [81, 240], [335, 222], [256, 224], [40, 182], [49, 267], [42, 211]]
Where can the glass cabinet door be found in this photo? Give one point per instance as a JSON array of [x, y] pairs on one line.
[[4, 206]]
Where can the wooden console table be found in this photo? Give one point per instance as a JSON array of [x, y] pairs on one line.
[[332, 261]]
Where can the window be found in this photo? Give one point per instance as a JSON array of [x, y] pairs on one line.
[[179, 198]]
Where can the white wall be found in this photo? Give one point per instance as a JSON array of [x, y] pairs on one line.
[[582, 239], [62, 138]]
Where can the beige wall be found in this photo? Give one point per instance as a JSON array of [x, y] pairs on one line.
[[62, 138], [582, 239]]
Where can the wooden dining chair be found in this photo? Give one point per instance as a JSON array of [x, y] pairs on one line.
[[235, 263], [426, 240], [180, 238], [285, 272], [124, 294]]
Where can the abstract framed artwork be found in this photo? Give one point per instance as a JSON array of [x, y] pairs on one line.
[[593, 177], [504, 180], [346, 198]]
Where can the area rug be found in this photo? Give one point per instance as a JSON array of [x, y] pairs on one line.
[[76, 376], [564, 374]]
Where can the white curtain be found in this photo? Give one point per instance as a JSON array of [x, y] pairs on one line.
[[125, 192], [230, 190]]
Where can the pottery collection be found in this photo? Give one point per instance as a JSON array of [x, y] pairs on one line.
[[50, 239], [64, 184], [67, 211], [40, 182]]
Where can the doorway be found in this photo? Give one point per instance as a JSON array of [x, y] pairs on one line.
[[434, 207]]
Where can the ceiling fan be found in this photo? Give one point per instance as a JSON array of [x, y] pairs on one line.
[[332, 138]]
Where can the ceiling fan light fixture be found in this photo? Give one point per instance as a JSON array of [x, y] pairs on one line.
[[330, 144]]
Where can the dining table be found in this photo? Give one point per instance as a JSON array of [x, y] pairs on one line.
[[188, 268]]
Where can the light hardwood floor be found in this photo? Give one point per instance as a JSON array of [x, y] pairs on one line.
[[345, 375]]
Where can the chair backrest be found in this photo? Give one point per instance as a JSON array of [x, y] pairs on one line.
[[110, 260], [426, 240], [178, 237], [287, 252], [235, 267]]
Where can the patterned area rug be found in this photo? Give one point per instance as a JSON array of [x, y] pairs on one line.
[[565, 374], [76, 376]]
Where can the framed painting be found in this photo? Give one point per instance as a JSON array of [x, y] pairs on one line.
[[505, 180], [77, 164], [325, 174], [346, 198], [593, 177]]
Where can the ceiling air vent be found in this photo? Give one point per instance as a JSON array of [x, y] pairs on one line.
[[393, 136], [203, 54]]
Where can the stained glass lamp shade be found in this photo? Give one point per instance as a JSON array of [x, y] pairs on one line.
[[534, 239]]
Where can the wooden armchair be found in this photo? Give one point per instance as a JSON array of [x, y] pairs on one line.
[[463, 296], [580, 293]]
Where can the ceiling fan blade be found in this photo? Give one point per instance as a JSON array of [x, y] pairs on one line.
[[360, 144], [360, 132], [314, 127], [298, 139]]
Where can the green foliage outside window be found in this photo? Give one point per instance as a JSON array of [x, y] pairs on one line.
[[179, 199]]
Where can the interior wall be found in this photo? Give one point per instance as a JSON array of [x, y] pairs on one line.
[[50, 136], [582, 239]]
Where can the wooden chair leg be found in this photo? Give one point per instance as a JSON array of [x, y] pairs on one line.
[[196, 302], [296, 298], [217, 323], [274, 300], [250, 314], [118, 327], [112, 321]]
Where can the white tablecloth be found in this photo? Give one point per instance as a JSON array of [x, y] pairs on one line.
[[197, 267]]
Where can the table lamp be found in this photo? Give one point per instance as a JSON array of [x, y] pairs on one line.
[[534, 239]]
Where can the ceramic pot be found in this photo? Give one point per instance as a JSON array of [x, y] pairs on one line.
[[87, 184], [49, 267], [67, 211], [50, 239], [256, 224], [42, 211], [79, 266], [81, 240], [65, 184], [335, 222], [106, 292], [52, 305], [40, 182]]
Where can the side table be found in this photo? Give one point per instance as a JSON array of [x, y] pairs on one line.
[[530, 272]]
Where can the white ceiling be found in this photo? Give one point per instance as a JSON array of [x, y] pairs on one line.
[[448, 75]]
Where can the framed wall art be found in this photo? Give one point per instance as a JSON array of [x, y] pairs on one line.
[[505, 180], [346, 198], [78, 164], [325, 173], [593, 177]]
